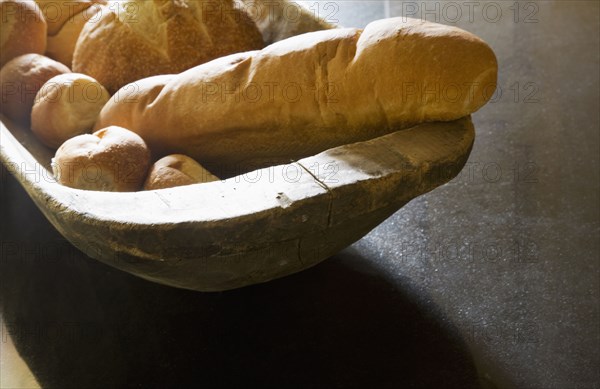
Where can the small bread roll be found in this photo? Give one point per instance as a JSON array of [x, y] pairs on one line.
[[21, 79], [66, 105], [112, 159], [62, 45], [176, 170], [22, 29]]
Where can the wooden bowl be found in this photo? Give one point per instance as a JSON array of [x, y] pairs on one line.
[[250, 228]]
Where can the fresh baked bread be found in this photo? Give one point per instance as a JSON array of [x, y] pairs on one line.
[[176, 170], [308, 93], [65, 21], [22, 29], [112, 159], [58, 12], [67, 105], [281, 19], [134, 39], [21, 79]]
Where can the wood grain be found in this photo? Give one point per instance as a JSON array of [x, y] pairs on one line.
[[250, 228]]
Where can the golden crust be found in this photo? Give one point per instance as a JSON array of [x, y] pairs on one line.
[[176, 170], [281, 19], [145, 38], [20, 80], [308, 93], [112, 159], [58, 12], [62, 45], [67, 105], [22, 29]]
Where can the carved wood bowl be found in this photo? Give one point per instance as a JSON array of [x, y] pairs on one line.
[[251, 228]]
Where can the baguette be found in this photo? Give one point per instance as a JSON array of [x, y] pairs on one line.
[[308, 93]]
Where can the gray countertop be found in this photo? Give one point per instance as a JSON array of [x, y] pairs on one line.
[[489, 281]]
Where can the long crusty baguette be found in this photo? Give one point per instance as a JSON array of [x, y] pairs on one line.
[[309, 93]]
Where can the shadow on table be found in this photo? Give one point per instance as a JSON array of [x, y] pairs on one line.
[[78, 323]]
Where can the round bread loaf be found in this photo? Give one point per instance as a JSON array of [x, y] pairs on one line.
[[62, 45], [21, 79], [134, 39], [176, 170], [113, 159], [22, 29], [67, 105]]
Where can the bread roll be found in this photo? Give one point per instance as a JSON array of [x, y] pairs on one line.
[[22, 29], [112, 159], [58, 12], [309, 93], [21, 79], [176, 170], [62, 45], [134, 39], [66, 105]]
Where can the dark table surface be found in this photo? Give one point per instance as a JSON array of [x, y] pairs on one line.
[[489, 281]]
